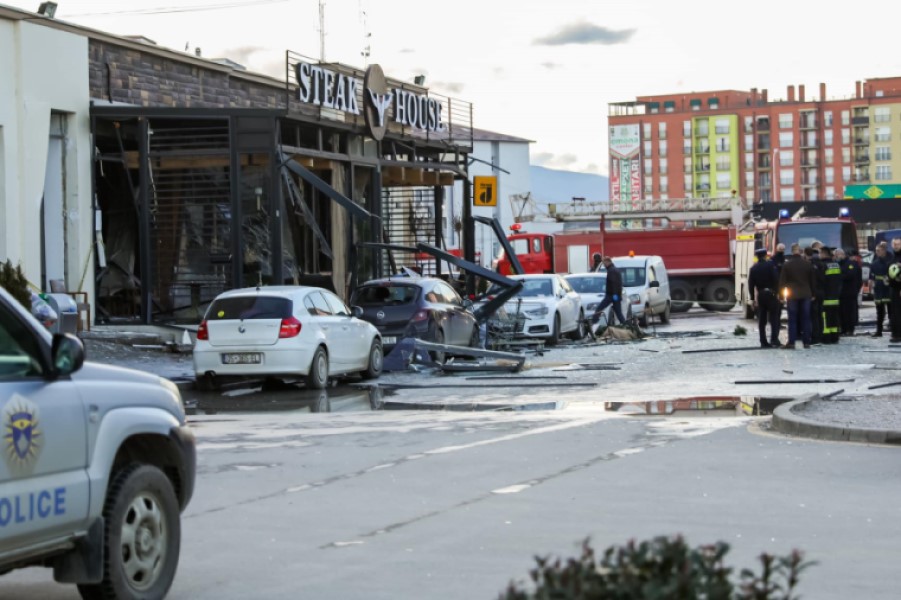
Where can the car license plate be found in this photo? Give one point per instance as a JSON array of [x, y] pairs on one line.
[[242, 358], [389, 340]]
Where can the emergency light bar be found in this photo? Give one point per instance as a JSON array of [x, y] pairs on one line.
[[783, 213], [844, 212]]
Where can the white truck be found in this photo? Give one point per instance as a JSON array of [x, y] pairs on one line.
[[97, 464]]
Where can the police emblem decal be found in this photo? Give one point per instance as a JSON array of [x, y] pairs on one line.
[[22, 437]]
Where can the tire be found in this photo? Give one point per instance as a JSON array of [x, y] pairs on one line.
[[142, 537], [376, 361], [580, 331], [437, 355], [555, 332], [664, 318], [719, 295], [643, 319], [317, 377], [682, 296], [205, 383]]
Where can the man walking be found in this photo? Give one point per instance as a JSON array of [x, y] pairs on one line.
[[881, 292], [797, 284], [762, 282], [613, 293]]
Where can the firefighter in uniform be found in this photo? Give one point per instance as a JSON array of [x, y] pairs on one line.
[[763, 279], [881, 292], [816, 305], [832, 292], [851, 281]]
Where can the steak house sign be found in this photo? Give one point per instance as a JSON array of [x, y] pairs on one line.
[[324, 87]]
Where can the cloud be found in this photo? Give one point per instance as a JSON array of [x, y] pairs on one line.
[[554, 161], [585, 33], [550, 66], [454, 87], [242, 54], [406, 51]]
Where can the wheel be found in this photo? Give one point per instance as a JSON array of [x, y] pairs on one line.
[[317, 378], [555, 333], [374, 366], [142, 537], [580, 331], [719, 295], [205, 383], [475, 340], [664, 318], [682, 296], [643, 319], [439, 356]]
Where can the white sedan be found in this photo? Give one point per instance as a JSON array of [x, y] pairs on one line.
[[550, 306], [284, 331]]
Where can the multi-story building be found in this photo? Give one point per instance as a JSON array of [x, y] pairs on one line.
[[736, 143]]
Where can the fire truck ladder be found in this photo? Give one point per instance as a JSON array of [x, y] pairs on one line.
[[724, 210]]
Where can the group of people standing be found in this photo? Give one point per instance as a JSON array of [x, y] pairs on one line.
[[819, 287]]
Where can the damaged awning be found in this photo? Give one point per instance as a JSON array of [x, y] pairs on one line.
[[352, 207]]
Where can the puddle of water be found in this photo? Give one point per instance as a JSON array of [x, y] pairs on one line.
[[701, 405]]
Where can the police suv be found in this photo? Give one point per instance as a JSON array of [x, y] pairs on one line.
[[97, 465]]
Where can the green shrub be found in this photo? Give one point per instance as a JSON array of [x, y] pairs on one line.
[[659, 569], [13, 280]]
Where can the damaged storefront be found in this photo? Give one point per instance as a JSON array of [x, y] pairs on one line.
[[209, 178]]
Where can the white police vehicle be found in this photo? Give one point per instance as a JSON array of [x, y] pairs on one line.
[[97, 464]]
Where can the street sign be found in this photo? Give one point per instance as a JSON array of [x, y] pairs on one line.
[[485, 190]]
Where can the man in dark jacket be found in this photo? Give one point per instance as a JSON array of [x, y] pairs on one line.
[[796, 283], [613, 293], [895, 296], [852, 279], [881, 293], [596, 263], [762, 282], [816, 303]]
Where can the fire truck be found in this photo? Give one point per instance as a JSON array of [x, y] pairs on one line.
[[694, 236], [834, 232]]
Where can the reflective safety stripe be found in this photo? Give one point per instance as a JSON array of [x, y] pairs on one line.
[[830, 302], [883, 300], [830, 329], [833, 271]]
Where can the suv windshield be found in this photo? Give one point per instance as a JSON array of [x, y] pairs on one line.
[[632, 276], [250, 307], [588, 285], [387, 294]]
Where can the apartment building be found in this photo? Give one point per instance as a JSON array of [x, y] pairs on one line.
[[740, 143]]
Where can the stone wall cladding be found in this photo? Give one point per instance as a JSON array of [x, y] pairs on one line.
[[145, 78]]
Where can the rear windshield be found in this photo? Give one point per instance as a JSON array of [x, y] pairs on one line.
[[250, 307], [381, 295], [588, 285]]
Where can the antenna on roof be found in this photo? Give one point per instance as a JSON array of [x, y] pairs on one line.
[[366, 35], [321, 30]]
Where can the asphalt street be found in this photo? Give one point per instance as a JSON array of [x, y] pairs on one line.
[[343, 494]]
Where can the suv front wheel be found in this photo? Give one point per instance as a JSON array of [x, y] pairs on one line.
[[142, 537]]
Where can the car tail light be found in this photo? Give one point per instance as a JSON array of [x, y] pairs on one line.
[[202, 332], [290, 328], [421, 315]]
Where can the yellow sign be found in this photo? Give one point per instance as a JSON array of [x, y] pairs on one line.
[[745, 236], [873, 192], [484, 190]]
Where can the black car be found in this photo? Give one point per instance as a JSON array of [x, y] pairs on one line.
[[426, 308]]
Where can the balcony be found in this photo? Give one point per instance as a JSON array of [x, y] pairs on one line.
[[861, 141], [810, 163], [860, 121], [702, 168], [860, 178], [808, 124], [702, 149], [809, 144], [863, 159], [704, 187]]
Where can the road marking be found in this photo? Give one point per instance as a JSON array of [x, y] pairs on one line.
[[512, 489]]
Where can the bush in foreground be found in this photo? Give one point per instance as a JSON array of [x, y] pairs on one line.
[[662, 568]]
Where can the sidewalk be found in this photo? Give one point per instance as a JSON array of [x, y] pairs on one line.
[[874, 420]]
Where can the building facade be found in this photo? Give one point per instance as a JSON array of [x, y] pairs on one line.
[[737, 143]]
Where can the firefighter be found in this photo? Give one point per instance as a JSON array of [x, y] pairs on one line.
[[763, 280], [881, 292], [852, 280], [819, 281], [895, 293], [832, 291]]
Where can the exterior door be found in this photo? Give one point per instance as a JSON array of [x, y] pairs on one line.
[[352, 332], [43, 470]]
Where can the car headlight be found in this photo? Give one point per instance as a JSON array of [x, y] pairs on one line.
[[634, 298], [537, 312]]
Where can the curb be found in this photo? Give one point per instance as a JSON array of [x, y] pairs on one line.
[[786, 421]]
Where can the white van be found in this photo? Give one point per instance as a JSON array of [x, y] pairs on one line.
[[645, 286]]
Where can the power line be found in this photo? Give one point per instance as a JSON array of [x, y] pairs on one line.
[[163, 10]]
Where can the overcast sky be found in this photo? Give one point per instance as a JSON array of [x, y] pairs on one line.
[[539, 69]]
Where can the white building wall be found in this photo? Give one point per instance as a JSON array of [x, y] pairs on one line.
[[44, 70], [510, 156]]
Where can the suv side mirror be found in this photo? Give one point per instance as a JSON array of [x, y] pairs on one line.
[[654, 283], [356, 311], [67, 354]]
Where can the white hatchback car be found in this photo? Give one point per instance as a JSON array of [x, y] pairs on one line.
[[284, 331], [592, 288], [550, 305]]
